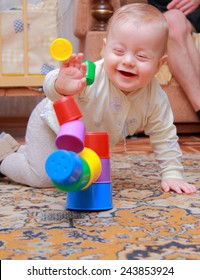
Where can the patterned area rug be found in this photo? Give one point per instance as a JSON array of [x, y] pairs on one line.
[[145, 223]]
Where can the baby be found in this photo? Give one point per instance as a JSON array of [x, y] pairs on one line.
[[125, 97]]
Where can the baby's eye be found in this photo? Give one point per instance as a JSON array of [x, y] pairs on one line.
[[142, 56], [118, 51]]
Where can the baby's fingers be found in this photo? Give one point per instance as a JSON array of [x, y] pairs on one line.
[[165, 187], [178, 187], [188, 188], [75, 60], [83, 68]]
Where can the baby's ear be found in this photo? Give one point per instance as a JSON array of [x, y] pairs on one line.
[[103, 47], [162, 61]]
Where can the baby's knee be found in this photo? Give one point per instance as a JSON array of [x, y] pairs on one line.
[[179, 26]]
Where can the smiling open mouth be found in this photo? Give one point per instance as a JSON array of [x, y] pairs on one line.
[[126, 74]]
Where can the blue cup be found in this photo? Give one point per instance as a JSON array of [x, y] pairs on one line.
[[64, 167], [96, 197]]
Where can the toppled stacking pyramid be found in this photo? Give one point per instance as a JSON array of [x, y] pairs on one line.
[[81, 165]]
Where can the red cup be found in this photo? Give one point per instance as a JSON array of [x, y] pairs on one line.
[[98, 142], [67, 110]]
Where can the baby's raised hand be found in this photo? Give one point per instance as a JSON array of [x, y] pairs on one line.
[[177, 185], [71, 78]]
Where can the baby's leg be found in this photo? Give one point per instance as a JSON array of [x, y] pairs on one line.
[[27, 165]]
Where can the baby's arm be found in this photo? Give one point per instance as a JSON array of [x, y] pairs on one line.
[[71, 77], [164, 141], [177, 185]]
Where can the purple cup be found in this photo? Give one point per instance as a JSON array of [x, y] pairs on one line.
[[71, 136], [105, 176]]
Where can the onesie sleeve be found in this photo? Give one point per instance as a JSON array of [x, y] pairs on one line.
[[163, 135], [48, 85]]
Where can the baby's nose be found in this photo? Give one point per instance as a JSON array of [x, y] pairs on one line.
[[129, 60]]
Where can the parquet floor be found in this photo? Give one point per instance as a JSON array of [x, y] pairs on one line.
[[140, 145]]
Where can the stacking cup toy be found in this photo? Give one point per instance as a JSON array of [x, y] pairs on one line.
[[105, 176], [64, 167], [90, 72], [71, 136], [67, 170], [61, 49], [94, 163], [96, 197], [67, 110], [98, 142], [79, 184]]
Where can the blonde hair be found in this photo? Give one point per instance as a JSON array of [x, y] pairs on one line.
[[140, 14]]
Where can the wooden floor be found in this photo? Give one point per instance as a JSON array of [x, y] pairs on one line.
[[140, 144], [190, 143]]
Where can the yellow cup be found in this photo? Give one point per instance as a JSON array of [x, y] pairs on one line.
[[61, 49], [94, 163]]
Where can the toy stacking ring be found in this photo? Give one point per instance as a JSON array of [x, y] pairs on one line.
[[61, 49]]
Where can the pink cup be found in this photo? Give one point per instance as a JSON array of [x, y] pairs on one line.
[[71, 136]]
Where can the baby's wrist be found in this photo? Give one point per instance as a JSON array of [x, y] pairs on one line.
[[58, 90]]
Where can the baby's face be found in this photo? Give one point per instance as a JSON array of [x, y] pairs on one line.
[[132, 55]]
